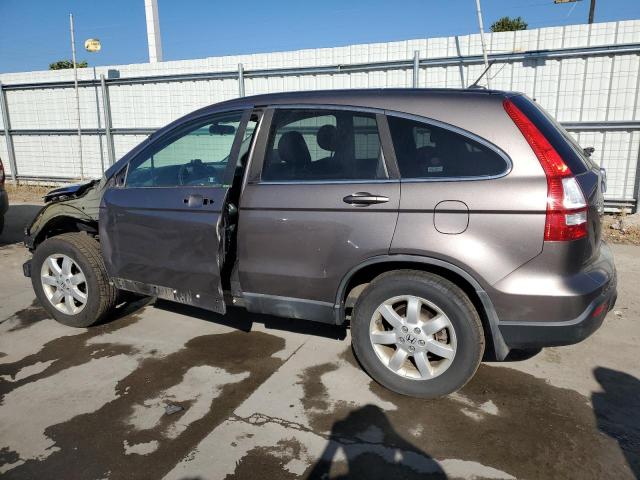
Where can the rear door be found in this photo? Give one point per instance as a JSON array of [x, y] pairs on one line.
[[162, 230], [319, 199]]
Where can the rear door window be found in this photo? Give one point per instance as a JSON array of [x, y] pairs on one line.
[[323, 145], [426, 151]]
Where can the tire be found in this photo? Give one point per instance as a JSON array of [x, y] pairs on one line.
[[84, 252], [1, 224], [462, 339]]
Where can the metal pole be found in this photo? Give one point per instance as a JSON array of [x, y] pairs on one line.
[[592, 10], [416, 68], [4, 110], [75, 84], [154, 40], [100, 142], [106, 107], [240, 80], [484, 48]]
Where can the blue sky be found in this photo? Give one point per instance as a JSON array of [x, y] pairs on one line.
[[34, 33]]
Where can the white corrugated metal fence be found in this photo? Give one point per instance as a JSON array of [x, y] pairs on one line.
[[587, 76]]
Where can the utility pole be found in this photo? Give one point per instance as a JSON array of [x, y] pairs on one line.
[[484, 47], [592, 10], [153, 31], [75, 84]]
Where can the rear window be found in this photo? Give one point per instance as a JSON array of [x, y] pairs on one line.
[[558, 137], [428, 151]]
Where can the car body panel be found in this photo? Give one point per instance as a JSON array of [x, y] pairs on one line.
[[83, 208], [299, 240], [151, 236]]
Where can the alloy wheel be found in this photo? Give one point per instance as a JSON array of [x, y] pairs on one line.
[[64, 284], [413, 337]]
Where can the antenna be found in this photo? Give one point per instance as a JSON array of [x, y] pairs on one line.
[[475, 84]]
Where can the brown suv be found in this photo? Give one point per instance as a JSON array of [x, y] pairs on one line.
[[437, 223]]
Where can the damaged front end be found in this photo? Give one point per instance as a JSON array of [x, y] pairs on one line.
[[68, 208], [69, 192]]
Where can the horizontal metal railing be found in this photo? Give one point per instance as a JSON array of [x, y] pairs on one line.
[[571, 126], [243, 73]]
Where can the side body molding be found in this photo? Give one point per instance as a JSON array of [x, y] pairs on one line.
[[501, 348]]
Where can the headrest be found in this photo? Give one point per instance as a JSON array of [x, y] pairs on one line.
[[293, 149], [327, 137]]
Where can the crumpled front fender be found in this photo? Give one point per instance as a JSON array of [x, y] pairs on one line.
[[84, 208]]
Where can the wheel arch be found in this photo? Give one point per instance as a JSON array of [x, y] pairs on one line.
[[375, 266], [60, 224]]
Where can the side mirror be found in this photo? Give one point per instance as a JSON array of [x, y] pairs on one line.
[[221, 129], [588, 151]]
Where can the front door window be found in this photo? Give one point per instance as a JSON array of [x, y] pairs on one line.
[[196, 156]]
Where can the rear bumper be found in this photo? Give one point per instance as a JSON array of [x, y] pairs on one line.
[[537, 307], [550, 334]]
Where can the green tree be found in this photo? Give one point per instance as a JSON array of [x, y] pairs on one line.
[[508, 24], [63, 64]]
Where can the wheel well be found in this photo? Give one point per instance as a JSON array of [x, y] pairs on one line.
[[366, 274], [65, 224]]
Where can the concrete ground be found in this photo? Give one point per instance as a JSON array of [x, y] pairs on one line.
[[261, 397]]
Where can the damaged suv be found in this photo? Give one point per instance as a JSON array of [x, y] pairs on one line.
[[437, 223]]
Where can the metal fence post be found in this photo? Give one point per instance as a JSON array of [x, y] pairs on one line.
[[7, 135], [240, 80], [416, 68], [106, 107]]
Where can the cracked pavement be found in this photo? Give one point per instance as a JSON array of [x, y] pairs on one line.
[[262, 397]]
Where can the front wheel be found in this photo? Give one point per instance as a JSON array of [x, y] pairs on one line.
[[71, 281], [417, 334]]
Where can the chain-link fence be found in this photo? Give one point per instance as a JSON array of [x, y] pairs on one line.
[[587, 76]]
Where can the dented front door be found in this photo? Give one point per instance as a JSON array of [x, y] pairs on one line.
[[162, 231]]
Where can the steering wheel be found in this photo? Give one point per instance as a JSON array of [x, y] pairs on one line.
[[194, 172]]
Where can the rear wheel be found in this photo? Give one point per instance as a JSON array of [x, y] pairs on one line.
[[70, 279], [417, 333]]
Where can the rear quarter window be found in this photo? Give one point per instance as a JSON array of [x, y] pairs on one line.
[[426, 151], [558, 137]]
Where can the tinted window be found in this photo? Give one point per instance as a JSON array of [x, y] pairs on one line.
[[427, 151], [196, 156], [307, 145]]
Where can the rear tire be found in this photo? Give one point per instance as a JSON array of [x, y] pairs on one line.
[[417, 334], [70, 280]]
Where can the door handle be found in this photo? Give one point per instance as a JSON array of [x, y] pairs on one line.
[[362, 199], [195, 200]]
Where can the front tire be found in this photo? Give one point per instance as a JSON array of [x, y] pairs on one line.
[[70, 280], [417, 334]]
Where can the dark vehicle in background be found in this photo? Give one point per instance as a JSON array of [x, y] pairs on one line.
[[4, 198], [436, 223]]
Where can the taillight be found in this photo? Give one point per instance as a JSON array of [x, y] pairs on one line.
[[566, 205]]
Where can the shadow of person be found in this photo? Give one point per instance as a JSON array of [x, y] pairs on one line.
[[617, 410], [365, 445]]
